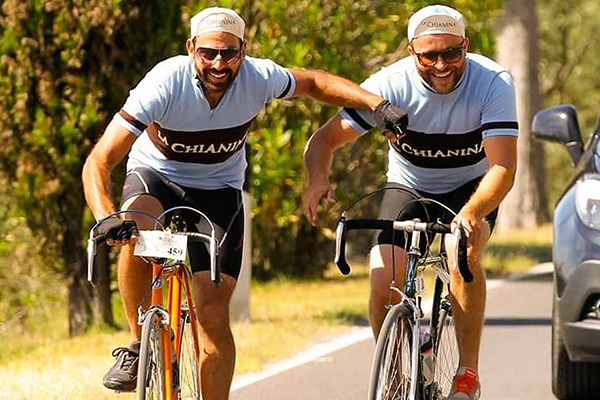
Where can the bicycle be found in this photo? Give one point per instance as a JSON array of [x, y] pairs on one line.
[[170, 349], [397, 369]]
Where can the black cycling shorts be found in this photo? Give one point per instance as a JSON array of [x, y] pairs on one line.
[[398, 204], [223, 207]]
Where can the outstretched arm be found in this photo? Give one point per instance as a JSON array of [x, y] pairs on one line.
[[334, 90], [318, 155], [341, 92]]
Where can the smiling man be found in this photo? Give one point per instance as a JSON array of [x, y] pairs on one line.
[[459, 148], [183, 129]]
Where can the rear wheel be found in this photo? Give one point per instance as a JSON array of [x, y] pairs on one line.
[[392, 368], [151, 383], [571, 380], [189, 371]]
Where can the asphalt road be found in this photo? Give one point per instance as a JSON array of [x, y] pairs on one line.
[[515, 354]]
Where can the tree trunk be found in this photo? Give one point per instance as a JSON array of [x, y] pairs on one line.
[[102, 293], [526, 206], [80, 310], [79, 290]]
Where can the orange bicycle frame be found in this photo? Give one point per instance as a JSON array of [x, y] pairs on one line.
[[177, 279]]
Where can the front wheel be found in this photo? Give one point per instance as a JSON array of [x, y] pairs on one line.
[[393, 365], [151, 376], [445, 352], [189, 371]]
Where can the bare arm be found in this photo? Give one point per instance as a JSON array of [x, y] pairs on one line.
[[318, 155], [334, 90], [501, 152], [112, 147]]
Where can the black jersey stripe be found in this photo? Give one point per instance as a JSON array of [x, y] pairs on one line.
[[204, 147], [500, 125], [358, 119], [130, 119], [287, 88], [441, 150]]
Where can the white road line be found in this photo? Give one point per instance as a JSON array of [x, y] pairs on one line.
[[313, 352], [354, 336]]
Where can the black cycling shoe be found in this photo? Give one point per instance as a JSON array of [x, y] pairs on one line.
[[122, 376]]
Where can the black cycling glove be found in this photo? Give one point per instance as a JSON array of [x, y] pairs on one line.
[[115, 228], [388, 117]]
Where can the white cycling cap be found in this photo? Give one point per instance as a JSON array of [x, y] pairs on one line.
[[436, 20], [217, 19]]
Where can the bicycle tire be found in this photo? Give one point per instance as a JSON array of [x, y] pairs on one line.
[[151, 377], [189, 368], [445, 351], [389, 380]]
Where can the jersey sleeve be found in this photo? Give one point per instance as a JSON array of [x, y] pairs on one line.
[[146, 103], [361, 120], [499, 115], [280, 81]]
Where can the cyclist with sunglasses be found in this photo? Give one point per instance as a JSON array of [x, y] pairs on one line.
[[459, 148], [183, 129]]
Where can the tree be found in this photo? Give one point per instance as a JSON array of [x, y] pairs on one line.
[[568, 73], [526, 206], [65, 67]]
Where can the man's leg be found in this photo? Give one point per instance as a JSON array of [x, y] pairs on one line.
[[134, 276], [468, 299], [133, 273], [217, 358], [381, 276]]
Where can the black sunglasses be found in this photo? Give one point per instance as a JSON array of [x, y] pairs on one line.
[[208, 55], [450, 56]]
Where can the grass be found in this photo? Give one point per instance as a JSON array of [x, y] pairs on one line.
[[286, 316], [515, 251]]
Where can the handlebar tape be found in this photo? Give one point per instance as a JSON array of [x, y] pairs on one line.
[[463, 264], [340, 247]]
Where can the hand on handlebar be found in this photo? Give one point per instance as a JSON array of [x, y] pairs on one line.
[[310, 200], [391, 120], [471, 226], [116, 231]]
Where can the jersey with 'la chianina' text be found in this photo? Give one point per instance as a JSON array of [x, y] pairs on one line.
[[444, 145], [181, 137]]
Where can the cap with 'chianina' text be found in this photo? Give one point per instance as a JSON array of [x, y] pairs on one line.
[[436, 20]]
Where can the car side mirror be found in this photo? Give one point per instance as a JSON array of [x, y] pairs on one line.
[[559, 124]]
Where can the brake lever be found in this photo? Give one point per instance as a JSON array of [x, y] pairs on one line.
[[460, 255], [91, 253]]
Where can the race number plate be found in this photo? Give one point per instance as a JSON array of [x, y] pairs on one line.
[[161, 244]]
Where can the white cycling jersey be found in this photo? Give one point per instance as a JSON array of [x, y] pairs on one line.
[[444, 145], [182, 138]]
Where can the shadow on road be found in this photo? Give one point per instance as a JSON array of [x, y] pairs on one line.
[[518, 321]]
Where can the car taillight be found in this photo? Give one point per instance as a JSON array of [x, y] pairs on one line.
[[587, 200]]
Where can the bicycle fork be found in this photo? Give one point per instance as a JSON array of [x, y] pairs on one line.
[[170, 324]]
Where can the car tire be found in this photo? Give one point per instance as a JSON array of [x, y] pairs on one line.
[[571, 380]]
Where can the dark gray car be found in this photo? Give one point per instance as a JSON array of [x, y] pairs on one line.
[[576, 256]]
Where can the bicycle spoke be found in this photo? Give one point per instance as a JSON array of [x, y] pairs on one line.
[[445, 353], [392, 365], [151, 368], [189, 372]]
